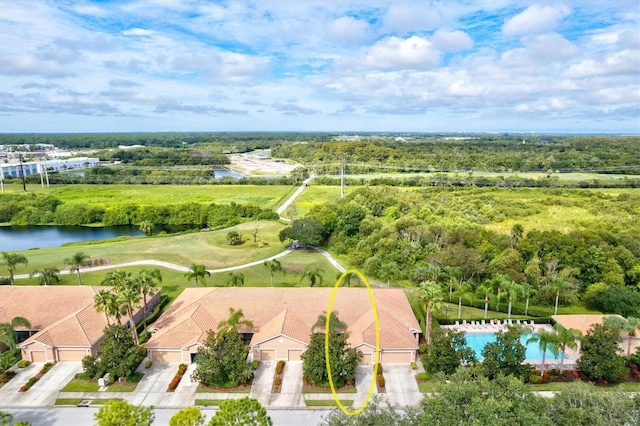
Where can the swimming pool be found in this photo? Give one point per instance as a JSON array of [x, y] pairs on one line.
[[476, 341]]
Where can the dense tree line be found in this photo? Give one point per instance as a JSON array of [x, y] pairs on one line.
[[441, 235], [154, 157], [605, 154], [36, 209]]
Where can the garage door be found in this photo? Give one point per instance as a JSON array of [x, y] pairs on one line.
[[65, 355], [267, 355], [367, 359], [165, 356], [38, 356], [294, 354], [396, 357]]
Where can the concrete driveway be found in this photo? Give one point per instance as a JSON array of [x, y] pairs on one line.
[[290, 395], [262, 382], [45, 391], [401, 385], [152, 388]]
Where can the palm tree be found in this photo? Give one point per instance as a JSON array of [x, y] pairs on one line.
[[105, 301], [630, 325], [146, 226], [274, 266], [430, 296], [528, 291], [512, 290], [127, 294], [8, 335], [546, 340], [198, 272], [11, 261], [517, 231], [147, 282], [498, 282], [236, 279], [452, 273], [485, 291], [335, 325], [46, 276], [314, 274], [235, 319], [462, 288], [388, 271], [76, 261], [558, 284], [566, 339]]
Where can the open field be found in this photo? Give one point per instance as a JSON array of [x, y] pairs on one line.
[[110, 195], [208, 248], [571, 177]]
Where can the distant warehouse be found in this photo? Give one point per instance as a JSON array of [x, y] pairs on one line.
[[15, 169]]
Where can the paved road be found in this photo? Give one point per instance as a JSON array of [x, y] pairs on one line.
[[295, 195], [73, 416]]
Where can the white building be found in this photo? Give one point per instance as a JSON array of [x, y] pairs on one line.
[[15, 169]]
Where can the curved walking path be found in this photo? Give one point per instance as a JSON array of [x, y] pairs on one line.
[[295, 195]]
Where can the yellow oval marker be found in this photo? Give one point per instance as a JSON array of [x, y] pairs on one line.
[[326, 341]]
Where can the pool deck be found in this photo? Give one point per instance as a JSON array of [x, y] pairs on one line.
[[493, 326]]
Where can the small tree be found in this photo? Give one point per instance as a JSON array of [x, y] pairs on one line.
[[431, 299], [566, 338], [222, 359], [76, 261], [234, 238], [447, 351], [46, 276], [198, 272], [546, 340], [505, 355], [600, 358], [343, 358], [236, 279], [313, 274], [307, 231], [119, 354], [273, 266], [147, 227], [190, 416], [241, 412], [11, 262], [121, 413]]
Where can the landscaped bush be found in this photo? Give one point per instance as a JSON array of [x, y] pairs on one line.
[[535, 380], [254, 364], [414, 366], [48, 366], [182, 368], [280, 367], [23, 363], [89, 365], [148, 364], [378, 369], [277, 381], [6, 376], [380, 381], [422, 376]]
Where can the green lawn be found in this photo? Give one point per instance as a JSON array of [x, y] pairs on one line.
[[427, 387], [327, 402], [350, 389], [67, 401], [267, 196], [79, 385], [207, 389], [208, 402], [558, 386]]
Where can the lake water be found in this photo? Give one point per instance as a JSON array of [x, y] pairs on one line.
[[15, 238], [220, 173]]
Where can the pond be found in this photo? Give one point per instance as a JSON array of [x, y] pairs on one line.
[[221, 173], [16, 238]]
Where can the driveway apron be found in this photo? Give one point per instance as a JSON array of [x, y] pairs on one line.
[[262, 382], [290, 395], [400, 383]]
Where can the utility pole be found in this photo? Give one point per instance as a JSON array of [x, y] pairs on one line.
[[24, 182], [342, 179]]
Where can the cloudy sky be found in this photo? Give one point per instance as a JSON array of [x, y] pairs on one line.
[[180, 65]]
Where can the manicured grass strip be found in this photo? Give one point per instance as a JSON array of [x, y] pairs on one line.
[[427, 387], [558, 386], [67, 401], [327, 402], [351, 389], [101, 401], [208, 389], [130, 386], [78, 385], [208, 402]]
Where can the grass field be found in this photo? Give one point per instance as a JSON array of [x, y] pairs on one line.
[[110, 195], [575, 177], [327, 402]]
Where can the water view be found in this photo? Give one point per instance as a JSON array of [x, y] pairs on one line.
[[477, 341], [16, 238]]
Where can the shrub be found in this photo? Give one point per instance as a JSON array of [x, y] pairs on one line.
[[254, 364], [535, 379], [378, 369], [173, 384], [6, 376], [89, 365], [380, 380], [181, 369], [46, 368], [280, 367], [148, 364], [414, 366], [277, 381], [422, 376], [23, 363]]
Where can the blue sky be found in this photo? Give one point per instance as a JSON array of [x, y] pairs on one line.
[[348, 66]]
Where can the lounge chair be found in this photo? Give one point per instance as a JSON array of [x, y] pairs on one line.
[[464, 323], [483, 323], [457, 323], [509, 322], [531, 323]]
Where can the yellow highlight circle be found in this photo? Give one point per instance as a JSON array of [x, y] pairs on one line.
[[326, 341]]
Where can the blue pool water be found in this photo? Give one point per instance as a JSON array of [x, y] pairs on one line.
[[476, 341]]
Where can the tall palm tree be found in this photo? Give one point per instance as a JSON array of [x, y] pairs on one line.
[[11, 261], [273, 266], [512, 291], [517, 231], [236, 318], [452, 272], [558, 284], [528, 292], [498, 282], [147, 282], [430, 296], [566, 338], [127, 294], [198, 272], [105, 301], [147, 227], [314, 274], [388, 271], [485, 291], [546, 340], [462, 288], [236, 279], [630, 325], [76, 261], [8, 335], [46, 276], [335, 325]]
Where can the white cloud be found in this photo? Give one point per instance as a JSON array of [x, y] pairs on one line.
[[403, 18], [139, 32], [396, 54], [348, 30], [536, 19], [452, 41]]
